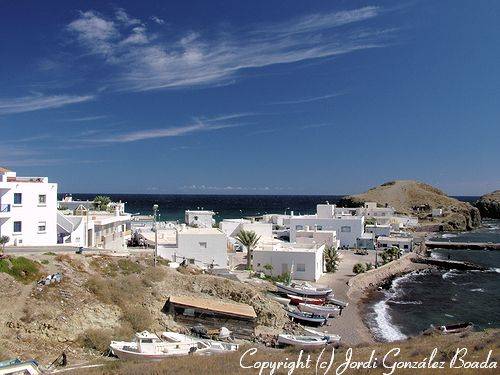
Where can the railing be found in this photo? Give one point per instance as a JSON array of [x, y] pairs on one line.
[[4, 207]]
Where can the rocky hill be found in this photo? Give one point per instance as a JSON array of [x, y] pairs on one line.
[[489, 205], [418, 199]]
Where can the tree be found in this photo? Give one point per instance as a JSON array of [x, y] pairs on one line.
[[3, 241], [248, 239], [101, 202], [332, 259], [390, 254], [358, 268]]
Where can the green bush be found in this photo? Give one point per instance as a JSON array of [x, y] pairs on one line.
[[129, 267], [358, 268], [21, 268], [369, 266]]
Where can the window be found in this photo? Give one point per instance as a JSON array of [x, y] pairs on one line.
[[405, 246], [384, 245], [319, 227], [18, 198], [42, 226], [203, 245], [42, 199], [301, 267], [17, 227], [345, 229], [191, 261], [299, 227]]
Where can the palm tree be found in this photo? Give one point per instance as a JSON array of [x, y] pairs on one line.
[[332, 259], [249, 239], [101, 202]]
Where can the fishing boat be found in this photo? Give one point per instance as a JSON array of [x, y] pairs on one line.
[[16, 366], [148, 346], [329, 337], [204, 346], [302, 341], [283, 300], [337, 302], [326, 311], [303, 289], [455, 328], [306, 318], [295, 300]]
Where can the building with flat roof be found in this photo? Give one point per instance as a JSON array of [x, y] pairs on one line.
[[199, 218], [28, 209]]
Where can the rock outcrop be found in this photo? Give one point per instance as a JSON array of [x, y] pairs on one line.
[[489, 205], [418, 199]]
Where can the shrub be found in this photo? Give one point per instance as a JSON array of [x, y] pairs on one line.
[[21, 268], [96, 339], [45, 261], [51, 253], [137, 316], [358, 268], [128, 267], [368, 266]]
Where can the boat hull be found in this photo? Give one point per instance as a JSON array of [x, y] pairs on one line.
[[296, 300], [308, 319], [302, 341], [326, 311], [300, 291]]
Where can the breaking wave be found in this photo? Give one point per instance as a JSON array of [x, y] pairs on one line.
[[385, 329]]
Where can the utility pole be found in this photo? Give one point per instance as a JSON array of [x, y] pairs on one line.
[[155, 209]]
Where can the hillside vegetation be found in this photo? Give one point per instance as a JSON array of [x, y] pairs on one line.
[[489, 205], [418, 199]]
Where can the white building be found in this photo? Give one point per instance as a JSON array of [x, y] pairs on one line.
[[302, 261], [199, 218], [91, 228], [369, 209], [404, 243], [318, 237], [437, 212], [348, 228], [28, 209], [232, 227], [378, 230], [203, 247]]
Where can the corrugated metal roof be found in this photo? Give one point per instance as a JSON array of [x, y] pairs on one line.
[[229, 308]]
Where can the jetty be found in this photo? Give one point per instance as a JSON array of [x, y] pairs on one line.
[[450, 264], [462, 245]]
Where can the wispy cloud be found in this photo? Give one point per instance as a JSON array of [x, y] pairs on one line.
[[84, 119], [38, 102], [148, 61], [308, 100], [164, 132], [312, 126]]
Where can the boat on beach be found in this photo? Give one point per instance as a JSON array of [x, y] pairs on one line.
[[302, 341], [306, 318], [453, 328], [337, 302], [151, 347], [329, 337], [303, 289], [295, 300], [326, 311], [283, 300]]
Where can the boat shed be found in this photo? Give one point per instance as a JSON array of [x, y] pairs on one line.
[[213, 314]]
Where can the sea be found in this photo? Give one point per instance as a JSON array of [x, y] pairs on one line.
[[421, 298], [413, 301]]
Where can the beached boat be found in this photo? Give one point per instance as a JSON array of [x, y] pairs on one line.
[[329, 337], [16, 366], [303, 289], [283, 300], [302, 341], [204, 346], [295, 300], [148, 346], [455, 328], [337, 302], [326, 311], [307, 318]]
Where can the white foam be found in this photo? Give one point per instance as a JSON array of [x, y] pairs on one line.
[[477, 290], [497, 270], [449, 274], [405, 302], [385, 328], [449, 235]]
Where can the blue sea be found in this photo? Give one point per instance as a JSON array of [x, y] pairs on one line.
[[441, 297]]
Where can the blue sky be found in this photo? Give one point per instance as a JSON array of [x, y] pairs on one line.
[[257, 97]]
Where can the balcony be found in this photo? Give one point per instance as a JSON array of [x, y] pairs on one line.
[[5, 210]]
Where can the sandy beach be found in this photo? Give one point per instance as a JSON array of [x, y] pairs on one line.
[[354, 288]]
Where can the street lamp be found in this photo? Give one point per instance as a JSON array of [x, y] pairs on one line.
[[155, 209]]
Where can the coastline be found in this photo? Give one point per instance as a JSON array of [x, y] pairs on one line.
[[358, 291]]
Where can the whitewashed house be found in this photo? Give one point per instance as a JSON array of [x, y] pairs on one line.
[[378, 230], [302, 261], [199, 218], [319, 237], [348, 228], [232, 227], [28, 209], [404, 243]]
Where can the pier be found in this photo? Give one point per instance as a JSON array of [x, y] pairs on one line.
[[462, 245]]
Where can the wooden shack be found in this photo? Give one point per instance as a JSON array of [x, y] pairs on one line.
[[213, 314]]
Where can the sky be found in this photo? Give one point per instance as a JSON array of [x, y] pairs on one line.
[[254, 97]]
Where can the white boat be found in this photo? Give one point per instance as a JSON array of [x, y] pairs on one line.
[[303, 341], [329, 337], [16, 366], [204, 346], [283, 300], [150, 347], [303, 289], [326, 311], [337, 302]]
